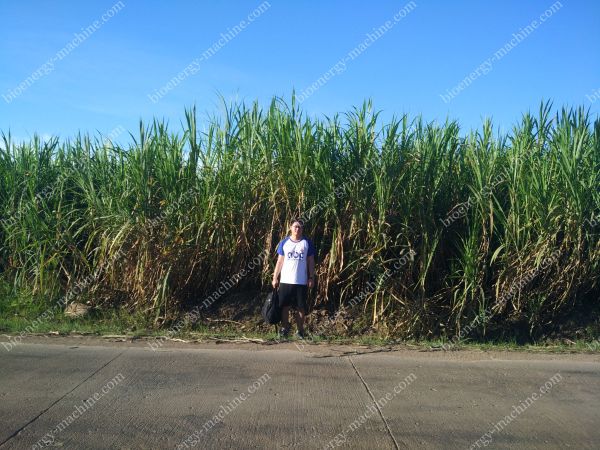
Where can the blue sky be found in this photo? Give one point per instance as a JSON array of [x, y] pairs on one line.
[[103, 82]]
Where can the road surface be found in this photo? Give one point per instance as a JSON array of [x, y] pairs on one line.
[[92, 394]]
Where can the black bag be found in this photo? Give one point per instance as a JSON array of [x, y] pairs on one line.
[[271, 311]]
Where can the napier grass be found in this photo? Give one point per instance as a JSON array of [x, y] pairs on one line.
[[420, 231]]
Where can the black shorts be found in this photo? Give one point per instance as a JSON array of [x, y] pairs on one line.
[[293, 295]]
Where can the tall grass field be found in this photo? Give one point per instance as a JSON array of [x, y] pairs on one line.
[[422, 229]]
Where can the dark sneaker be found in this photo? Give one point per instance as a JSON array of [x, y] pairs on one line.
[[284, 333], [300, 335]]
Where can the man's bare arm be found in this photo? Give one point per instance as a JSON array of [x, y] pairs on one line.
[[277, 271]]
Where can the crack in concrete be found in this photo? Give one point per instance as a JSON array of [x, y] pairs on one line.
[[353, 353], [16, 433], [389, 430]]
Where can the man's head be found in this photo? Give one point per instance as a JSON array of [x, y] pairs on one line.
[[296, 229]]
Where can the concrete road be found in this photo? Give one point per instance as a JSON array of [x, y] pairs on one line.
[[92, 394]]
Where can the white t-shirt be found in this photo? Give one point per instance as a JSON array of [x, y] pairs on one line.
[[296, 253]]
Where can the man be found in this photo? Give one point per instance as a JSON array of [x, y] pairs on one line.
[[296, 265]]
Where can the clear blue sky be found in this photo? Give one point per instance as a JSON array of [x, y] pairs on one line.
[[103, 82]]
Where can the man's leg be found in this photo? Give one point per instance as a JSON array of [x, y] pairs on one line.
[[300, 315], [284, 294], [285, 317], [301, 297]]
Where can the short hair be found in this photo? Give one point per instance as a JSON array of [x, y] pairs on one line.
[[300, 221]]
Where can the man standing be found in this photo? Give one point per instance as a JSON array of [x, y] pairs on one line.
[[296, 265]]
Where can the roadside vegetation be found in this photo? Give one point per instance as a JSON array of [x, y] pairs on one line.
[[422, 231]]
